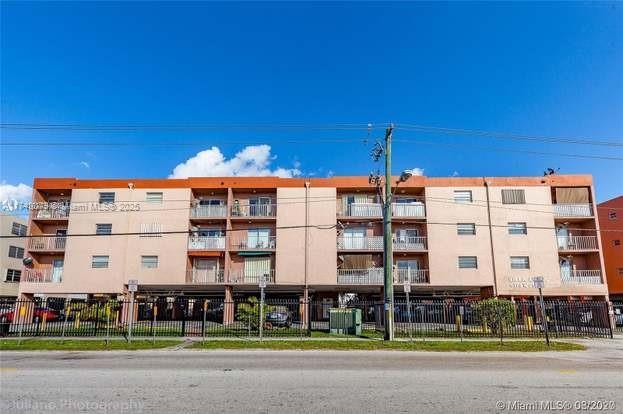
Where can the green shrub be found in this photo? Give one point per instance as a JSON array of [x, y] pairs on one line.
[[497, 314]]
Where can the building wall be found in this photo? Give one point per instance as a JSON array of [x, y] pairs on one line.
[[9, 289], [322, 246], [612, 229]]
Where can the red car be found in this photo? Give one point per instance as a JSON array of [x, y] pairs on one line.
[[50, 315]]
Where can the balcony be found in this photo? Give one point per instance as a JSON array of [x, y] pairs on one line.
[[252, 243], [43, 275], [360, 243], [363, 210], [573, 210], [255, 210], [580, 277], [405, 210], [47, 243], [251, 277], [206, 243], [209, 211], [415, 276], [576, 243], [370, 276], [52, 214], [205, 276], [402, 244]]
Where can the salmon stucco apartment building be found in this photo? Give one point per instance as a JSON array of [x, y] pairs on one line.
[[452, 237], [611, 219], [11, 254]]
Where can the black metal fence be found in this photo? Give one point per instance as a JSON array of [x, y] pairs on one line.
[[210, 318], [617, 308]]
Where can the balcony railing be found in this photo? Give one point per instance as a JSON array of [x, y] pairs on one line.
[[255, 210], [370, 276], [251, 277], [47, 243], [408, 210], [206, 243], [580, 277], [413, 275], [360, 243], [252, 243], [208, 211], [43, 275], [573, 210], [409, 243], [363, 210], [577, 243], [52, 214], [205, 276]]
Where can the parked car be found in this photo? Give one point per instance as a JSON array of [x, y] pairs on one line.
[[279, 316], [618, 317], [50, 315]]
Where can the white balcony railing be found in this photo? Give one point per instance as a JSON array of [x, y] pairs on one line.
[[250, 277], [206, 243], [205, 276], [370, 276], [580, 277], [364, 210], [255, 210], [413, 275], [52, 213], [252, 243], [360, 243], [208, 211], [409, 243], [576, 243], [43, 275], [573, 210], [408, 210], [47, 243]]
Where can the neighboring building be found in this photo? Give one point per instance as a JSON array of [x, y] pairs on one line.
[[452, 237], [611, 221], [11, 254]]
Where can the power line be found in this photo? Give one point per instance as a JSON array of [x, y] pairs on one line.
[[506, 135]]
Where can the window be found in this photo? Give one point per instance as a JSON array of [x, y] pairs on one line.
[[520, 262], [462, 196], [468, 262], [154, 197], [18, 229], [513, 197], [13, 275], [104, 228], [99, 262], [616, 242], [106, 198], [151, 230], [465, 229], [16, 252], [612, 215], [517, 228], [149, 262], [621, 271]]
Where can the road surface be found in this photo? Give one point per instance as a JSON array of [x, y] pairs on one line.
[[184, 381]]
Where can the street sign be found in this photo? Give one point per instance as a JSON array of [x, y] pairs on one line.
[[538, 282], [407, 286], [132, 285], [262, 281]]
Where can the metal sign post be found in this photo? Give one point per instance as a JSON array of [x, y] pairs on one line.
[[132, 287], [205, 310], [407, 288], [261, 315], [539, 283]]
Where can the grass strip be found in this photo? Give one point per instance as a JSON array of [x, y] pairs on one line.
[[82, 345], [372, 345]]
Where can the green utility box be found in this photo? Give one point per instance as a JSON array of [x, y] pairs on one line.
[[345, 321]]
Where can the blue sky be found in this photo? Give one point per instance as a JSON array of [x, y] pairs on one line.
[[536, 69]]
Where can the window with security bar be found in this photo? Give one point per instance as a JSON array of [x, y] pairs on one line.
[[520, 262], [468, 262], [463, 196], [466, 229]]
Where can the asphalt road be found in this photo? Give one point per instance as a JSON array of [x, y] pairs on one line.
[[307, 381]]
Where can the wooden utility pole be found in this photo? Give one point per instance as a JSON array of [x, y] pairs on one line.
[[388, 265]]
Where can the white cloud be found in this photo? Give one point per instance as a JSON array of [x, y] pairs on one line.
[[85, 164], [417, 171], [455, 174], [11, 196], [253, 160]]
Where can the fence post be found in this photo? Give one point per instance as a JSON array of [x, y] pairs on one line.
[[67, 310], [203, 324], [154, 312], [309, 318], [97, 317], [610, 317], [183, 320]]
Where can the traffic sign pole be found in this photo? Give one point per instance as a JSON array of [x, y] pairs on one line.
[[539, 283]]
